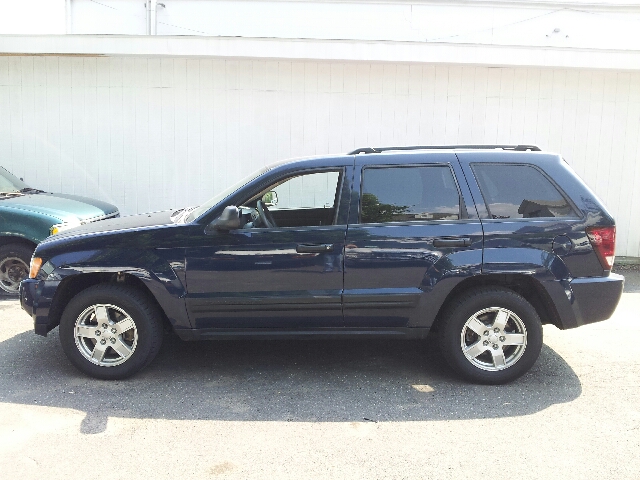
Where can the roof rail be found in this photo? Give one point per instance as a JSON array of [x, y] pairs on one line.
[[517, 148]]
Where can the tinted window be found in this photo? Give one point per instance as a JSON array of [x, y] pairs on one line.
[[519, 191], [402, 194]]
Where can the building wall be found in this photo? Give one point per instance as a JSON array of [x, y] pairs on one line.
[[155, 133], [572, 23]]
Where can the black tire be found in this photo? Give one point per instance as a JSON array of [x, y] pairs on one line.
[[14, 267], [115, 299], [490, 366]]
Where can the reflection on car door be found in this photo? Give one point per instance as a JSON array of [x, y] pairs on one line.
[[287, 277], [412, 231]]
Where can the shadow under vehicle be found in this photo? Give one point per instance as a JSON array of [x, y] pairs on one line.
[[280, 380]]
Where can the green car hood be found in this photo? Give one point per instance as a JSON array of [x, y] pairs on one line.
[[63, 207]]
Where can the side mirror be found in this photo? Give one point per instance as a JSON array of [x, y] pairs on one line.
[[229, 219], [270, 198]]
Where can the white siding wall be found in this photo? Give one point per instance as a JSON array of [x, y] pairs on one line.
[[155, 133]]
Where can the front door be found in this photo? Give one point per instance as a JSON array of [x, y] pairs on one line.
[[285, 271]]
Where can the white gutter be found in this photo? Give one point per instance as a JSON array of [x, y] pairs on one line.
[[319, 50]]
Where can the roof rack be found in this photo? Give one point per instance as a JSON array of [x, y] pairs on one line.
[[517, 148]]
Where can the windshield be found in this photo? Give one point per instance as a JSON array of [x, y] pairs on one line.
[[195, 213], [10, 183]]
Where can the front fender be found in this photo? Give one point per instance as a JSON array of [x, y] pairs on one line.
[[161, 271], [31, 226]]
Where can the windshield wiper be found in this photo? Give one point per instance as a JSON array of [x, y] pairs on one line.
[[175, 215], [181, 215], [31, 190], [10, 194]]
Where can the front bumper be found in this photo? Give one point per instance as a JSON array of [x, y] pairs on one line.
[[36, 298]]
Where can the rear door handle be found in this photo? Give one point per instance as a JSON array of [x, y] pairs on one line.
[[452, 242], [315, 248]]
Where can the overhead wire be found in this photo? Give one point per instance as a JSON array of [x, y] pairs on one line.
[[497, 27], [145, 17]]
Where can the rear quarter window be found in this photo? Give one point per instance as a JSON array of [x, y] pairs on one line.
[[520, 191]]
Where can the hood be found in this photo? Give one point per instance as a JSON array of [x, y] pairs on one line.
[[66, 208], [130, 222]]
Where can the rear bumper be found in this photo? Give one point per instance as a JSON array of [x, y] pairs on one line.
[[595, 299], [35, 298], [581, 301]]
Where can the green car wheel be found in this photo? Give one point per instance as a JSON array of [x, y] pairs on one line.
[[14, 266]]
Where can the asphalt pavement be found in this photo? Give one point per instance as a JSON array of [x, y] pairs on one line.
[[324, 409]]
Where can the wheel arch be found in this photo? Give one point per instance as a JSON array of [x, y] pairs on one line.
[[72, 285], [525, 285], [9, 239]]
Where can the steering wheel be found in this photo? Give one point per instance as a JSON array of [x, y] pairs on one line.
[[265, 215]]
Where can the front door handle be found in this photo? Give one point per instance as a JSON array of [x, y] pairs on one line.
[[452, 242], [315, 248]]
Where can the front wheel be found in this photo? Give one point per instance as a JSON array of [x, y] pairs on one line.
[[110, 331], [491, 335]]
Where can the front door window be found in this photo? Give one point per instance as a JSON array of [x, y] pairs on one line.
[[309, 200]]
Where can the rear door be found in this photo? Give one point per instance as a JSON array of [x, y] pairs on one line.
[[413, 234]]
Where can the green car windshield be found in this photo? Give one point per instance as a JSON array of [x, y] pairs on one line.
[[10, 183]]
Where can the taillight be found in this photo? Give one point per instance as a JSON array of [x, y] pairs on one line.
[[603, 241]]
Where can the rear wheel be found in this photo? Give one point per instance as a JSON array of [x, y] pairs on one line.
[[491, 335], [110, 331], [14, 266]]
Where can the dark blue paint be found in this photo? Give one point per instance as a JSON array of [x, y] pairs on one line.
[[386, 278]]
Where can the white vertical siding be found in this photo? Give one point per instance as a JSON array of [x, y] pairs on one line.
[[156, 133]]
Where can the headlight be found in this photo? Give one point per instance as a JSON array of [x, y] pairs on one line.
[[61, 227], [34, 268]]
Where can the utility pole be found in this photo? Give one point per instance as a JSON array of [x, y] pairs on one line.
[[152, 26], [152, 16]]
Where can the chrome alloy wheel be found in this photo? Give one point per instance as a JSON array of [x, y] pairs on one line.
[[106, 335], [493, 339], [12, 271]]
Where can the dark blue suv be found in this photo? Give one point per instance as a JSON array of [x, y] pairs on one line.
[[481, 245]]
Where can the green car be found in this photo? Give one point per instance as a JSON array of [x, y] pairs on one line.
[[28, 216]]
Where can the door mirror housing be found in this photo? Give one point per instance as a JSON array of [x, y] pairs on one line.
[[229, 219]]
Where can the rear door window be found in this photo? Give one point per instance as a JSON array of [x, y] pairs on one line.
[[408, 194], [520, 191]]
